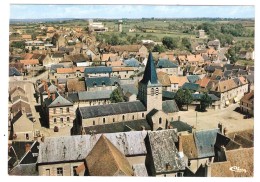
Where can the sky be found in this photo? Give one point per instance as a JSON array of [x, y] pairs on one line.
[[29, 11]]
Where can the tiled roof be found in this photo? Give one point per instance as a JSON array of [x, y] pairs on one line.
[[248, 98], [205, 141], [178, 79], [129, 88], [164, 151], [58, 101], [168, 94], [203, 82], [224, 86], [29, 62], [164, 78], [244, 142], [242, 158], [221, 169], [223, 140], [132, 62], [189, 146], [55, 66], [94, 95], [181, 126], [65, 70], [140, 170], [165, 63], [105, 57], [74, 85], [135, 125], [169, 106], [77, 147], [248, 134], [111, 109], [122, 69], [24, 170], [21, 105], [100, 81], [106, 160], [150, 75], [114, 63]]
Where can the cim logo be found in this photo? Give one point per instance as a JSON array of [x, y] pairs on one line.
[[237, 169]]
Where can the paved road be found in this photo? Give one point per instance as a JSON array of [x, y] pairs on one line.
[[230, 119]]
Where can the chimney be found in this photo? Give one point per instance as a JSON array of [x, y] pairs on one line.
[[180, 143], [225, 131], [220, 127], [27, 147], [179, 118], [53, 97], [42, 139], [49, 95]]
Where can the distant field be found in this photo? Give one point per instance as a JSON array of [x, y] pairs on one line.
[[245, 62]]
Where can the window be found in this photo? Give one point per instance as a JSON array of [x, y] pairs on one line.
[[113, 120], [68, 109], [27, 136], [54, 111], [179, 174], [59, 171], [143, 115], [104, 120], [74, 171], [157, 91], [133, 117], [68, 118], [61, 110], [47, 172], [55, 120], [123, 117], [152, 91], [61, 120], [160, 120], [93, 122]]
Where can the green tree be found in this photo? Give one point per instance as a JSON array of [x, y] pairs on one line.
[[169, 42], [186, 43], [205, 101], [158, 48], [183, 97], [116, 96], [114, 40]]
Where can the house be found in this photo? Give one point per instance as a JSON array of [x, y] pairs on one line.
[[20, 105], [247, 103], [247, 54], [114, 63], [16, 91], [29, 63], [110, 160], [108, 57], [164, 79], [177, 82], [14, 74], [99, 71], [123, 72], [132, 62], [203, 82], [198, 147], [191, 60], [167, 55], [229, 91], [93, 98], [193, 78], [197, 98], [69, 73], [129, 50], [192, 87], [163, 157], [57, 155], [59, 111], [22, 128], [74, 85], [34, 44], [167, 66], [101, 83], [214, 44]]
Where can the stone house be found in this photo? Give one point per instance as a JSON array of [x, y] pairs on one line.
[[164, 79], [214, 44], [101, 83], [190, 60], [167, 66], [123, 72], [247, 103], [177, 82], [59, 111], [99, 71]]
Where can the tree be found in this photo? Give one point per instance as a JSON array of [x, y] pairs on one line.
[[183, 97], [158, 48], [169, 42], [205, 101], [116, 96], [186, 43]]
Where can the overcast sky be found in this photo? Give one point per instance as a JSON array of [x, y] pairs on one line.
[[25, 11]]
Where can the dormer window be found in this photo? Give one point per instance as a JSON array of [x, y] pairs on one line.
[[94, 84], [152, 91]]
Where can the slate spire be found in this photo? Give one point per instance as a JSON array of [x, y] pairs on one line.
[[150, 74]]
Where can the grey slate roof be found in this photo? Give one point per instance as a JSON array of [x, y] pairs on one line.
[[135, 125], [150, 75], [193, 78], [94, 95], [54, 67], [140, 170], [163, 151], [99, 81], [181, 126], [24, 170], [198, 97], [191, 86], [98, 69], [169, 106], [165, 63], [77, 147], [250, 78], [131, 88], [132, 62], [205, 141], [14, 72], [111, 109], [73, 97], [58, 101], [168, 94]]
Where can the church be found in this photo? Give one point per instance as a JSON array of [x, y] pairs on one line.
[[149, 108]]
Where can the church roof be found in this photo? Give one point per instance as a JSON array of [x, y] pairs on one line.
[[150, 74]]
